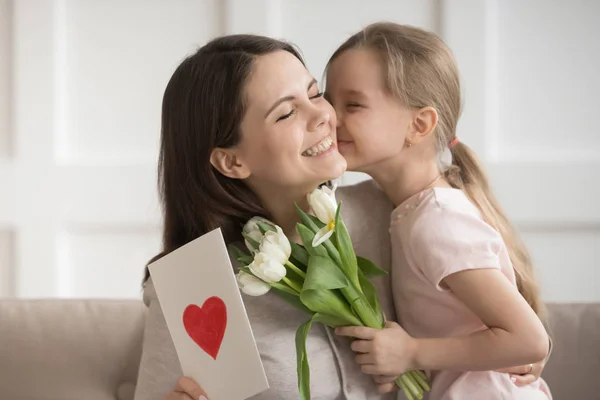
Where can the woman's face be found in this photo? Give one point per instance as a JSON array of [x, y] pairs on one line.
[[288, 132], [372, 123]]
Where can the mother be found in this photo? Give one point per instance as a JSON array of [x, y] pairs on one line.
[[245, 132]]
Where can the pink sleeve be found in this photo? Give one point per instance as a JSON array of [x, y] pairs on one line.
[[445, 241]]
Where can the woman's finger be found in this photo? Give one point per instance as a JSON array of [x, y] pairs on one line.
[[191, 388], [523, 380], [385, 379], [387, 387]]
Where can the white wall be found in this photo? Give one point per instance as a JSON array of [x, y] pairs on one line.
[[80, 90]]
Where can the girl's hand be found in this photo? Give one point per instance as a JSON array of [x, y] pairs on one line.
[[525, 374], [389, 351], [386, 384], [186, 389]]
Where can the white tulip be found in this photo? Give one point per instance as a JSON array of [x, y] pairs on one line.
[[267, 268], [252, 231], [276, 245], [251, 285], [323, 203]]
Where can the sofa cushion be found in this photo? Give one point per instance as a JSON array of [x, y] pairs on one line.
[[70, 349]]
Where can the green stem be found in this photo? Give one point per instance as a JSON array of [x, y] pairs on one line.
[[411, 387], [292, 284], [295, 269], [421, 379]]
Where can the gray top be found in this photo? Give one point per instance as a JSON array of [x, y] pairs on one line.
[[334, 373]]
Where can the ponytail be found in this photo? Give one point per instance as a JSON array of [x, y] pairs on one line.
[[466, 174]]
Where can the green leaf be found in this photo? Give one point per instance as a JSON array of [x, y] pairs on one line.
[[307, 237], [316, 221], [239, 255], [292, 299], [235, 252], [329, 302], [367, 314], [246, 270], [371, 295], [307, 220], [245, 259], [329, 320], [314, 225], [303, 370], [348, 257], [323, 273], [252, 242], [333, 251], [284, 288], [299, 254], [368, 268], [263, 227]]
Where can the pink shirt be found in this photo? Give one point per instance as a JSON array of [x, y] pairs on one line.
[[434, 234]]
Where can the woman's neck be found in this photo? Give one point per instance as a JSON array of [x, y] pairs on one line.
[[402, 180], [282, 210]]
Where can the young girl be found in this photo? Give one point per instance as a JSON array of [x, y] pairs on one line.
[[462, 281]]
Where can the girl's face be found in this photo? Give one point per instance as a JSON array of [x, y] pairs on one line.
[[372, 124], [288, 131]]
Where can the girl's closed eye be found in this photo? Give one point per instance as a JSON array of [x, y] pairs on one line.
[[354, 106], [318, 95]]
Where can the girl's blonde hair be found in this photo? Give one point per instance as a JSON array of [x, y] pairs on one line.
[[422, 72]]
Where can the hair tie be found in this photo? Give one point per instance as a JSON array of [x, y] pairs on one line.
[[453, 143]]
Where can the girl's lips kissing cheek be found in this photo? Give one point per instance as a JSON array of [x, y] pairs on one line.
[[343, 144]]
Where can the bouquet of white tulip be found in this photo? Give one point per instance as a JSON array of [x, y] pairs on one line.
[[322, 277]]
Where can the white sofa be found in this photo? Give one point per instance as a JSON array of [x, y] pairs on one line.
[[90, 349]]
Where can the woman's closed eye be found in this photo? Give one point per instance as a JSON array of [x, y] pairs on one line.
[[286, 116], [292, 112]]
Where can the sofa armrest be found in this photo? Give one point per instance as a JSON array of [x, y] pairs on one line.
[[572, 369]]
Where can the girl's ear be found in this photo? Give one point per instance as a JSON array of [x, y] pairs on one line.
[[424, 123]]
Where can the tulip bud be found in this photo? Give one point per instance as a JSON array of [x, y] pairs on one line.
[[267, 268], [251, 285], [252, 233], [276, 245], [324, 205]]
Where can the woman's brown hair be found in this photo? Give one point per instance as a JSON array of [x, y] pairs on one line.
[[422, 72], [203, 106]]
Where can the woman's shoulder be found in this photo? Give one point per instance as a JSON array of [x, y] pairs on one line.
[[149, 293], [364, 196]]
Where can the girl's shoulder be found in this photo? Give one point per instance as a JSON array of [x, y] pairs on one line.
[[447, 215]]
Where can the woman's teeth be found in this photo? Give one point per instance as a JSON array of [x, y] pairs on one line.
[[319, 148]]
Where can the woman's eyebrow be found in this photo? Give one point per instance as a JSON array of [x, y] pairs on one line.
[[288, 98]]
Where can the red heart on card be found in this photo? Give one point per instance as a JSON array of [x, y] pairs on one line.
[[206, 325]]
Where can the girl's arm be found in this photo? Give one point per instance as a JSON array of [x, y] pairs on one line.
[[515, 334]]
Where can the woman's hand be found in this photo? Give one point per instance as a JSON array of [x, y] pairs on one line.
[[388, 352], [525, 374], [186, 389]]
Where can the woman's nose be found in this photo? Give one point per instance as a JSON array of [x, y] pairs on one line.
[[321, 118]]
